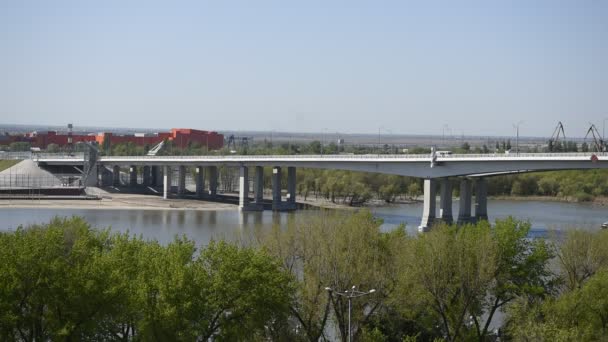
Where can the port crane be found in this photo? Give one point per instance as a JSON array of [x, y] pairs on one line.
[[598, 142], [554, 140]]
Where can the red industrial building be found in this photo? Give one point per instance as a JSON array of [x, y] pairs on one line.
[[180, 137]]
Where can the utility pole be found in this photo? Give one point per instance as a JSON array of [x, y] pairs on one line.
[[516, 126]]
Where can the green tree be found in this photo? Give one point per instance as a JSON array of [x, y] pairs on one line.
[[314, 147], [65, 281], [414, 190], [52, 148], [20, 146], [458, 279], [336, 250]]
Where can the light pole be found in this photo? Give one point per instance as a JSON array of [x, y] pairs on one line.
[[350, 294], [516, 126]]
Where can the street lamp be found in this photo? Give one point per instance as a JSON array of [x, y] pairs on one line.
[[350, 294], [516, 126]]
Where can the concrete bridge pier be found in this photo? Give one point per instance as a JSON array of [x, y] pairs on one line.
[[155, 176], [106, 176], [464, 212], [276, 188], [93, 177], [291, 188], [258, 187], [445, 203], [481, 199], [213, 181], [116, 175], [243, 188], [132, 175], [147, 176], [166, 181], [181, 184], [428, 212], [200, 181]]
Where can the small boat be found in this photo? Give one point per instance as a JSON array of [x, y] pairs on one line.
[[605, 225]]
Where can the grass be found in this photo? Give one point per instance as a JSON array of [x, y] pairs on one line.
[[5, 164]]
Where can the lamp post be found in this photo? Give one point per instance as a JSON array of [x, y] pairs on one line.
[[516, 126], [350, 294]]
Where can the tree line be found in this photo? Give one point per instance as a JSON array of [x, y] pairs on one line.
[[67, 281]]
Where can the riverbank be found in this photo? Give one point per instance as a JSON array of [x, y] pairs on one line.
[[150, 202], [120, 202], [603, 201]]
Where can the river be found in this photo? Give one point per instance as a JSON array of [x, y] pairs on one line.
[[201, 226]]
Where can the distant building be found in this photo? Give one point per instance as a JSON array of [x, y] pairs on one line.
[[180, 137]]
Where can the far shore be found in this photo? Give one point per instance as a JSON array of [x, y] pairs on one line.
[[596, 200]]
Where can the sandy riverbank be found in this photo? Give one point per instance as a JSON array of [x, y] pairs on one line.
[[121, 202]]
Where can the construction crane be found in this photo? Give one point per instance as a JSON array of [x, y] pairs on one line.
[[598, 142], [554, 141]]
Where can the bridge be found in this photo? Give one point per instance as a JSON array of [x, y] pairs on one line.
[[435, 169]]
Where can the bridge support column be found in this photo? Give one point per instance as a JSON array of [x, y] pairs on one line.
[[276, 188], [106, 176], [147, 178], [132, 175], [481, 199], [93, 177], [464, 210], [243, 188], [445, 203], [428, 213], [156, 176], [291, 188], [200, 181], [116, 175], [167, 170], [181, 185], [258, 188], [212, 181]]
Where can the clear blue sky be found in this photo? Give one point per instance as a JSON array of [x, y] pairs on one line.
[[348, 66]]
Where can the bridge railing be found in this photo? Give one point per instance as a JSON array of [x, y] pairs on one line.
[[28, 181], [77, 155], [15, 155], [45, 156]]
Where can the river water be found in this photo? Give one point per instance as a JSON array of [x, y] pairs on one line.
[[201, 226]]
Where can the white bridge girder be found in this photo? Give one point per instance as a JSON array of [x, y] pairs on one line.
[[403, 165]]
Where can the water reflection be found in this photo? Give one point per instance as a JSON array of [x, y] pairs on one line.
[[202, 226]]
